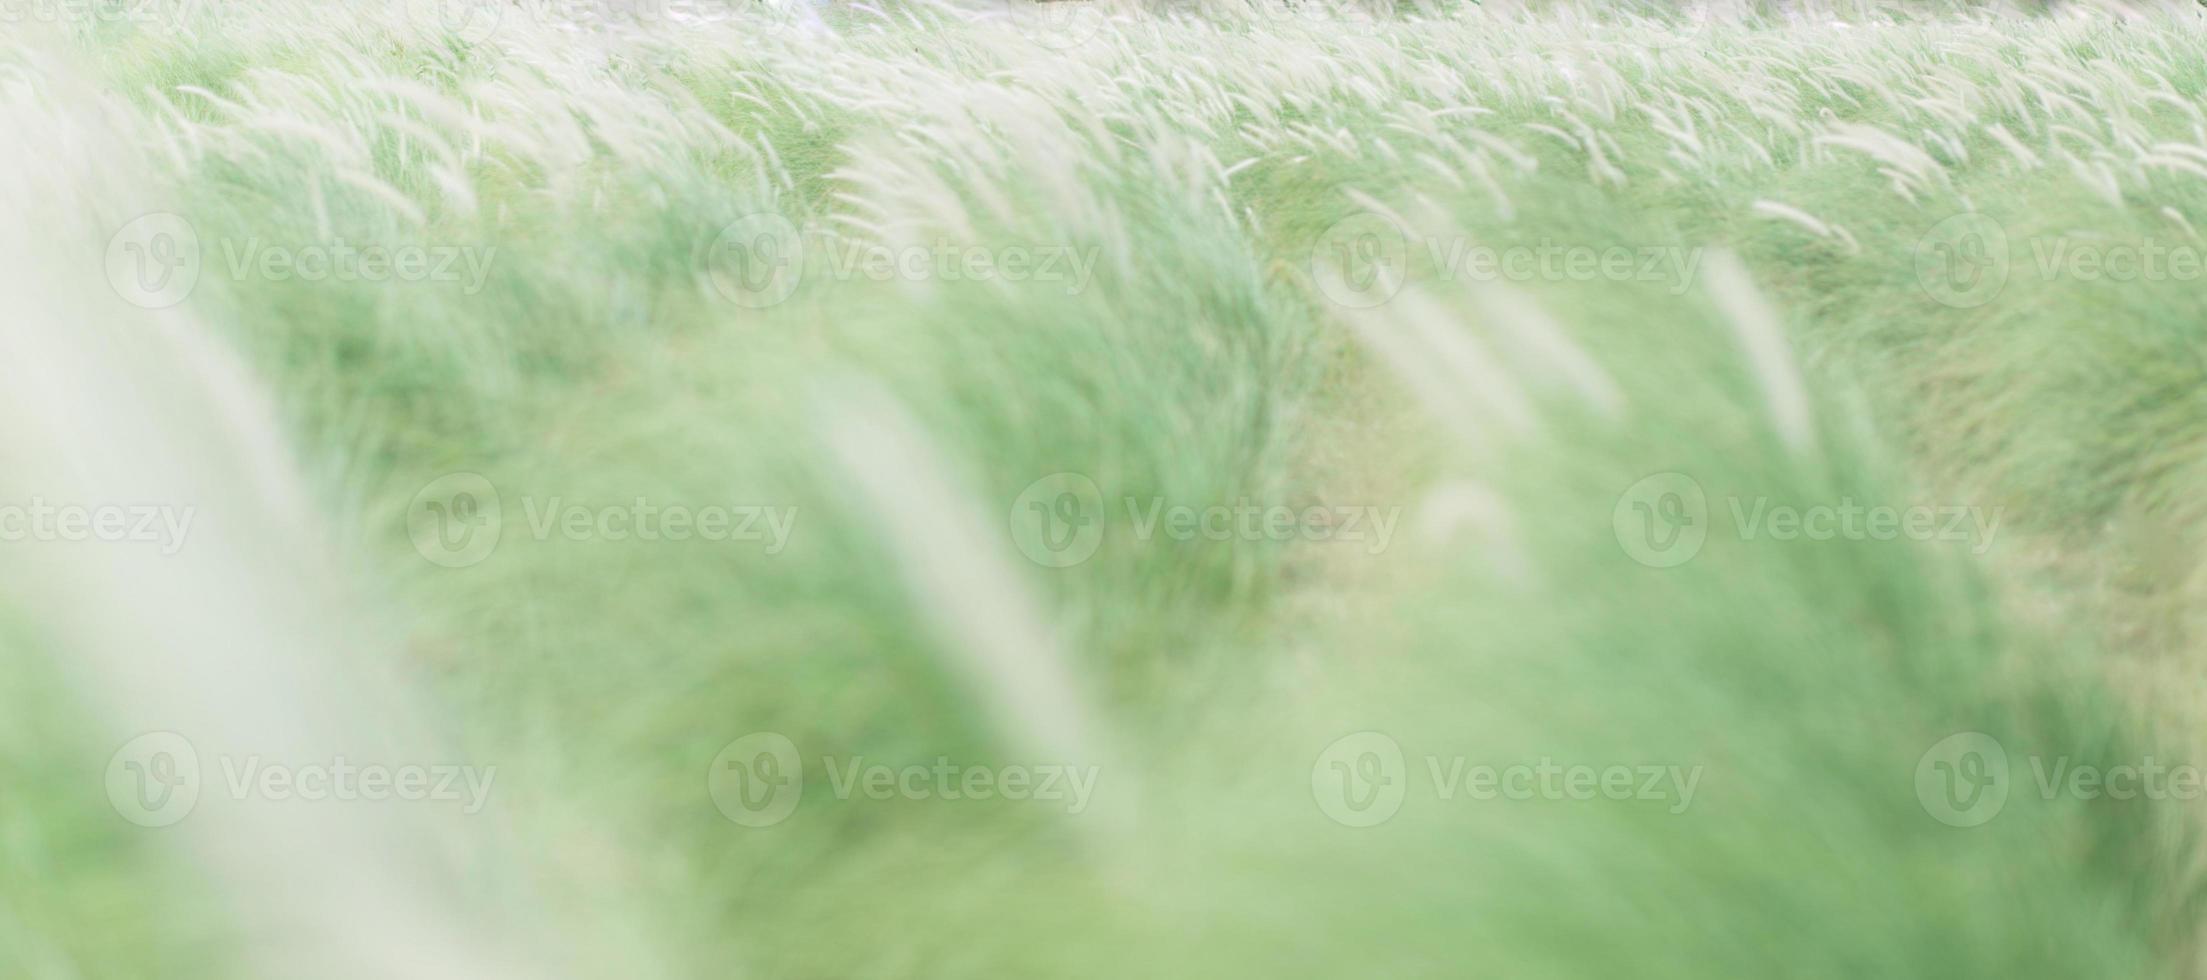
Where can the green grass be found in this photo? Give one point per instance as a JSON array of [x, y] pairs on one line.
[[1202, 160]]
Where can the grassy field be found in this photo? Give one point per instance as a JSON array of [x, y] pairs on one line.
[[1101, 490]]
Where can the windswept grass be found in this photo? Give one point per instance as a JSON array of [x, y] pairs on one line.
[[700, 258]]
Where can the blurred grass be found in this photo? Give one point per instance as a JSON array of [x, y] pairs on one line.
[[1203, 365]]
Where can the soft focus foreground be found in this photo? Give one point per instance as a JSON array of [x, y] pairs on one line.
[[1099, 490]]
